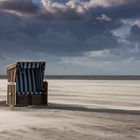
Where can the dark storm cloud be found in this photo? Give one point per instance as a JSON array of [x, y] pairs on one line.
[[23, 6], [130, 44], [70, 39], [74, 9], [119, 12], [66, 28], [134, 39], [135, 33]]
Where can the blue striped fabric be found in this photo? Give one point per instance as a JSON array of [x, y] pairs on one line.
[[29, 77]]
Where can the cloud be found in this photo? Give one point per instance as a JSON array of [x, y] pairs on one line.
[[135, 32], [67, 43], [134, 36], [89, 9], [103, 18], [96, 54], [24, 7], [84, 30], [53, 37], [72, 9], [81, 6], [134, 39]]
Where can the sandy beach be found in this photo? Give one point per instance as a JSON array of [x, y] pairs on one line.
[[77, 110]]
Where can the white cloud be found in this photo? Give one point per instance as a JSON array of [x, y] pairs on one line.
[[88, 58], [95, 54], [81, 6], [137, 22], [103, 18], [108, 3]]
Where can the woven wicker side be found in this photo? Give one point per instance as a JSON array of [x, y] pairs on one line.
[[11, 94]]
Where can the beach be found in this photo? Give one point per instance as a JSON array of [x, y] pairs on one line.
[[77, 110]]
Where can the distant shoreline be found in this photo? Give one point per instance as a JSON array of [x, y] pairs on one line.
[[93, 77], [88, 77]]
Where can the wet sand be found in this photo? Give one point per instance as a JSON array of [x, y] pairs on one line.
[[78, 110]]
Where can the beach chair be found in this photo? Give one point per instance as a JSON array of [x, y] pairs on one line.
[[26, 85]]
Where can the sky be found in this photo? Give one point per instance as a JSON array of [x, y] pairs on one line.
[[85, 37]]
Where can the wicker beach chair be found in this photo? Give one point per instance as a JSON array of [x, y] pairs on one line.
[[26, 85]]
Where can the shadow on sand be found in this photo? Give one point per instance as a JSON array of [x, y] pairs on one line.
[[69, 107]]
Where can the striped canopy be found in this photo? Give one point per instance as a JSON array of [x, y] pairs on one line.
[[29, 76]]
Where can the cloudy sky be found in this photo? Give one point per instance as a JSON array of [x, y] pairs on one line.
[[73, 36]]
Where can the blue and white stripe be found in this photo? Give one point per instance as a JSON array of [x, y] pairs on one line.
[[29, 77]]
